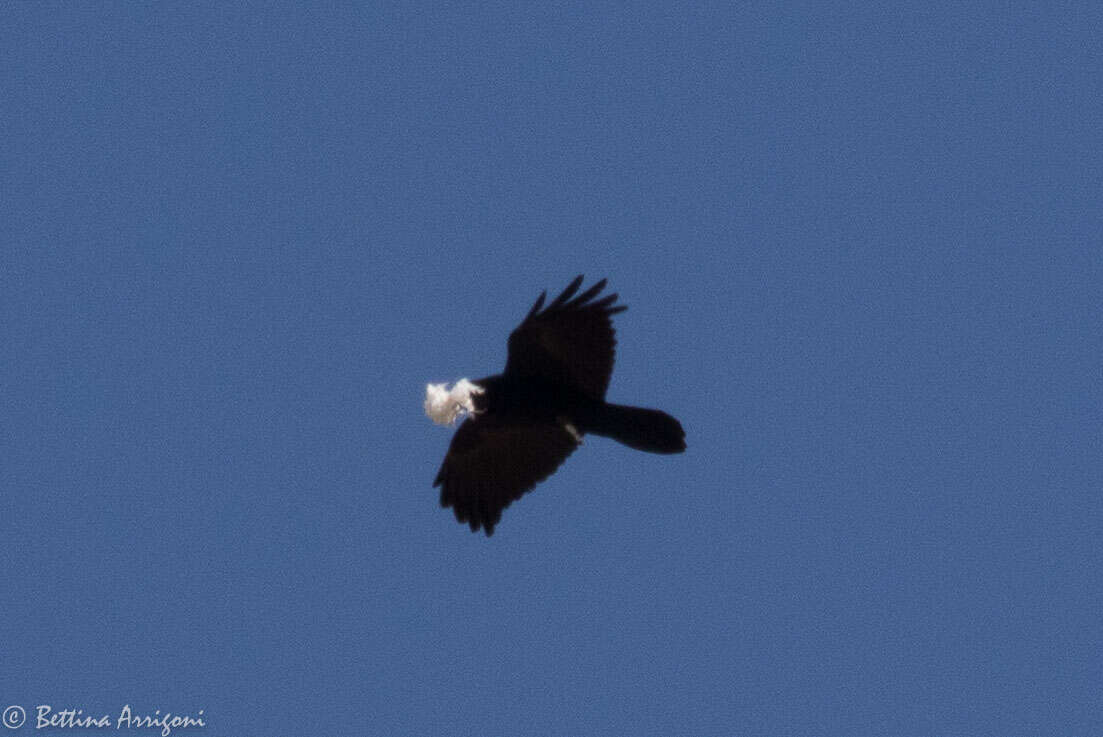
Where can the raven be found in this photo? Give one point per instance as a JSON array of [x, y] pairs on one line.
[[525, 421]]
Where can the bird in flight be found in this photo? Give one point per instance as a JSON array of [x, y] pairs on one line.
[[521, 424]]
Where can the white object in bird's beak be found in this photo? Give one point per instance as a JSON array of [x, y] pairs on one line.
[[445, 406]]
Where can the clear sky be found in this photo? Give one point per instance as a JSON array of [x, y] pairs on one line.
[[861, 249]]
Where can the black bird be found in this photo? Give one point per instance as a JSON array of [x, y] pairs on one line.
[[525, 421]]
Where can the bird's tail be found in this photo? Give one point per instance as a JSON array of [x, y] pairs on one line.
[[642, 429]]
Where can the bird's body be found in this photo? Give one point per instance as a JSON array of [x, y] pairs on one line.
[[534, 399], [525, 421]]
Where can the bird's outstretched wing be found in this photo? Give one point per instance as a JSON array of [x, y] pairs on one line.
[[570, 342], [493, 461]]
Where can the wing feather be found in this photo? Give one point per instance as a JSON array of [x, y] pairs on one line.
[[566, 293], [571, 341], [536, 307], [492, 462], [588, 294]]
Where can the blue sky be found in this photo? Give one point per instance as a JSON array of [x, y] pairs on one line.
[[860, 245]]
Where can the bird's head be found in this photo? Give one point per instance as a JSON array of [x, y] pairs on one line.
[[444, 406]]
